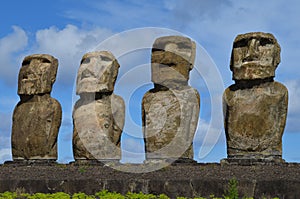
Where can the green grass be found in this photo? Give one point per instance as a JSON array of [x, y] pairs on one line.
[[230, 193], [100, 195]]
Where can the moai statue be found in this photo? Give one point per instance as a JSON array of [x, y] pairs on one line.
[[255, 107], [98, 116], [37, 117], [170, 110]]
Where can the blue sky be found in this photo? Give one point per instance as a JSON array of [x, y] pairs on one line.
[[67, 29]]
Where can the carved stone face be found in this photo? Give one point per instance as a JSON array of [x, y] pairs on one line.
[[172, 59], [97, 73], [254, 56], [37, 74]]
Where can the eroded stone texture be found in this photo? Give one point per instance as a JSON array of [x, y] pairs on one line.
[[171, 109], [37, 117], [255, 107], [254, 56], [98, 115]]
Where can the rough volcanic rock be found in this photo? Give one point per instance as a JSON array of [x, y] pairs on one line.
[[37, 117], [255, 55], [98, 115], [255, 107], [171, 109], [186, 180]]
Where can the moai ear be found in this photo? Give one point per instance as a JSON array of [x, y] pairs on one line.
[[115, 68], [277, 53], [54, 68]]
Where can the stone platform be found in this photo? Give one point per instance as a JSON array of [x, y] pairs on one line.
[[189, 179]]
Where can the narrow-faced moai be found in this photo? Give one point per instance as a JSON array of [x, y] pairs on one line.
[[255, 107], [98, 115], [37, 117], [170, 110]]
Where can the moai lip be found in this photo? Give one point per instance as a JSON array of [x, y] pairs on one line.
[[171, 109], [255, 107], [37, 116], [99, 114]]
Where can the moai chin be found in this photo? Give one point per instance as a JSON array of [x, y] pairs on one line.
[[98, 116], [255, 107], [170, 110], [37, 117]]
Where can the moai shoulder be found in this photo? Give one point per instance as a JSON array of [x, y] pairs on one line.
[[98, 115], [37, 117], [255, 107], [170, 110]]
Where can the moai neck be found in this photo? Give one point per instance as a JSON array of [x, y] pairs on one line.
[[35, 98], [95, 96], [246, 84], [171, 86]]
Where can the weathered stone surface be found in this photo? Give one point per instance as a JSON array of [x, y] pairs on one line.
[[98, 72], [257, 181], [255, 107], [37, 117], [98, 115], [37, 74], [255, 55], [171, 61], [171, 109]]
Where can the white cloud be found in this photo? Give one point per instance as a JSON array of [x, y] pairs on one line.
[[119, 15], [293, 106], [132, 150], [5, 154], [5, 123], [14, 41], [68, 45], [208, 134], [10, 46]]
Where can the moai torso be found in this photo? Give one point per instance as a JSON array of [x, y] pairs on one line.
[[37, 117], [98, 115], [255, 107], [171, 109]]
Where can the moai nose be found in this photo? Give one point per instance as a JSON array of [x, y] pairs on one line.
[[252, 53]]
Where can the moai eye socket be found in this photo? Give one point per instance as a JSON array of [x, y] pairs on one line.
[[241, 43], [46, 61], [157, 49], [265, 41], [25, 62], [183, 45], [85, 61], [104, 58]]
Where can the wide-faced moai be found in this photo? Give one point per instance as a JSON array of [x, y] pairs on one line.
[[255, 107], [37, 117], [170, 110], [98, 116]]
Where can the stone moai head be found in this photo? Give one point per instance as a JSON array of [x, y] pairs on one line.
[[172, 59], [37, 74], [254, 55], [98, 72]]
